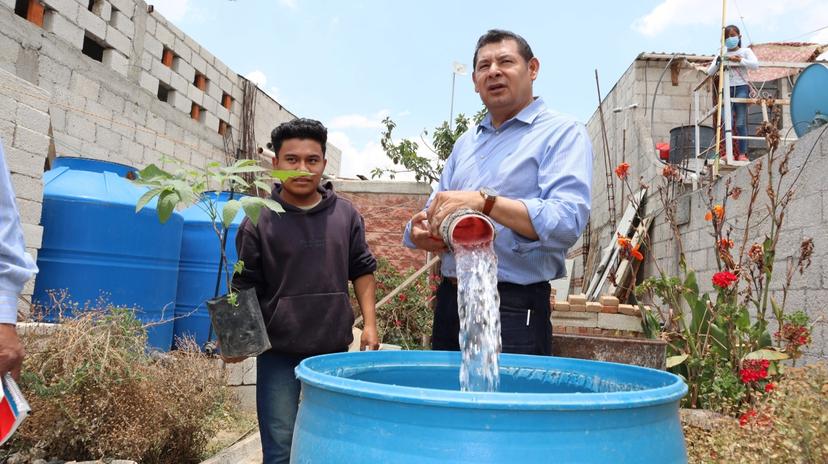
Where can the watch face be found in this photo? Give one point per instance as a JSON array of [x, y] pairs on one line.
[[489, 192]]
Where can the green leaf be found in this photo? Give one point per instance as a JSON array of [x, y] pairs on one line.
[[673, 361], [262, 185], [743, 318], [243, 169], [228, 213], [153, 172], [146, 198], [166, 204], [272, 205], [285, 175], [767, 353], [238, 267], [252, 208]]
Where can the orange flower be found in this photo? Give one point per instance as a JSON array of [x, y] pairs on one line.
[[718, 210], [725, 244], [621, 170], [637, 254], [624, 243], [669, 172]]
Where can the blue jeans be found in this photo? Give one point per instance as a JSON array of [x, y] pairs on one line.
[[740, 115], [277, 401]]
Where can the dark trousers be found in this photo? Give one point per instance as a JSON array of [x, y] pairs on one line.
[[277, 402], [524, 318]]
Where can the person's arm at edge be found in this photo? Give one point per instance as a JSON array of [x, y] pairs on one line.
[[365, 289]]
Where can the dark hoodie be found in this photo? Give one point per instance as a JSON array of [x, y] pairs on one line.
[[300, 263]]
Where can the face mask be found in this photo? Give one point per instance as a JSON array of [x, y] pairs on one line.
[[732, 42]]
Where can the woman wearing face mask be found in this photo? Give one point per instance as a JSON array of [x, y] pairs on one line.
[[739, 86]]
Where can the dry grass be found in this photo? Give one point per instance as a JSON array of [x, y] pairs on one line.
[[790, 426], [96, 393]]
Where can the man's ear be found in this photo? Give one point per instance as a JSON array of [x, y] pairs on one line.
[[534, 67]]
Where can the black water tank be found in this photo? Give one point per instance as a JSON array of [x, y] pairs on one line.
[[683, 143]]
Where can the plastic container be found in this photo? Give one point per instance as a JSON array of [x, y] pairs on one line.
[[240, 329], [198, 268], [97, 249], [406, 407]]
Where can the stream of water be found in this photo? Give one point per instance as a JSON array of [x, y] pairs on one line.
[[479, 308]]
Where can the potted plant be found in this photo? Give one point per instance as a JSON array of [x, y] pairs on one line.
[[236, 316]]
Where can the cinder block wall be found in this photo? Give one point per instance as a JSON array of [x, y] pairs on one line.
[[24, 129], [129, 106], [386, 208]]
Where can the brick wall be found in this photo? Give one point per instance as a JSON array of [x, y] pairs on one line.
[[386, 208]]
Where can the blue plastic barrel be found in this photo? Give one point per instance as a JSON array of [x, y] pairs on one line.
[[198, 268], [407, 407], [97, 249]]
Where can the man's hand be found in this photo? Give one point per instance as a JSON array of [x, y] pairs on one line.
[[421, 236], [735, 58], [447, 202], [11, 351], [369, 340]]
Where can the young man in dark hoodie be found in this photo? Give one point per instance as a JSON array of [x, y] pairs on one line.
[[300, 262]]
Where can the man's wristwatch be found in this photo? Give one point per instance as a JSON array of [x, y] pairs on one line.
[[489, 197]]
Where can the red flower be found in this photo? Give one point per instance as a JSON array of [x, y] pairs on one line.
[[769, 387], [624, 243], [621, 170], [725, 244], [669, 172], [718, 210], [401, 297], [637, 254], [754, 370], [724, 279], [746, 417], [397, 323]]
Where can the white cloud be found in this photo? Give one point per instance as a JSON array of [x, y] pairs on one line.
[[358, 121], [173, 10], [363, 160], [293, 4], [257, 77], [404, 113], [755, 13]]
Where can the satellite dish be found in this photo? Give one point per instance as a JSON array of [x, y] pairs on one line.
[[809, 99]]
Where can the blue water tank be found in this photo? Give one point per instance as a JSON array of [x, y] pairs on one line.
[[198, 268], [97, 249], [407, 407], [809, 99]]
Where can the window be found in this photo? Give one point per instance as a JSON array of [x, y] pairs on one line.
[[164, 92], [32, 10], [200, 81], [167, 57], [92, 48], [226, 100]]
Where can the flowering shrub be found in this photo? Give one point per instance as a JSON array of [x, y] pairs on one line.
[[721, 343]]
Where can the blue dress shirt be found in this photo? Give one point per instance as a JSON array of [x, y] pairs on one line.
[[16, 266], [541, 158]]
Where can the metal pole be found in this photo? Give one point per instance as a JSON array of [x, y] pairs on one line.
[[451, 112], [721, 86]]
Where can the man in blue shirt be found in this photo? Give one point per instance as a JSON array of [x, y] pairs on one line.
[[529, 169], [16, 268]]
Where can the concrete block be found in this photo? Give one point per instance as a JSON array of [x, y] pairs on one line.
[[608, 300], [211, 72], [103, 9], [246, 396], [145, 137], [196, 95], [199, 64], [153, 47], [165, 145], [593, 307], [29, 210], [179, 83], [127, 7], [573, 319], [64, 28], [180, 101], [30, 141], [148, 82], [226, 83], [578, 299], [619, 322], [214, 90], [121, 22], [116, 61], [211, 121], [118, 40], [134, 152], [32, 233], [629, 310], [184, 69], [79, 125], [223, 113], [107, 139], [6, 131], [210, 104], [92, 23], [27, 187], [182, 50], [31, 118], [609, 309], [83, 86], [192, 44], [49, 70], [161, 72], [163, 34], [98, 113], [236, 92]]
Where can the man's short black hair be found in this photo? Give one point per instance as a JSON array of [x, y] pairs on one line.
[[301, 128], [499, 35]]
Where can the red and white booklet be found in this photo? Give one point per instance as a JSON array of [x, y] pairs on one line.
[[13, 409]]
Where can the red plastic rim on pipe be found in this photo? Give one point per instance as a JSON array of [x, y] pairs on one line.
[[467, 228]]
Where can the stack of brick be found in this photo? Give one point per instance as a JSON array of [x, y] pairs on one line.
[[241, 379], [606, 317]]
